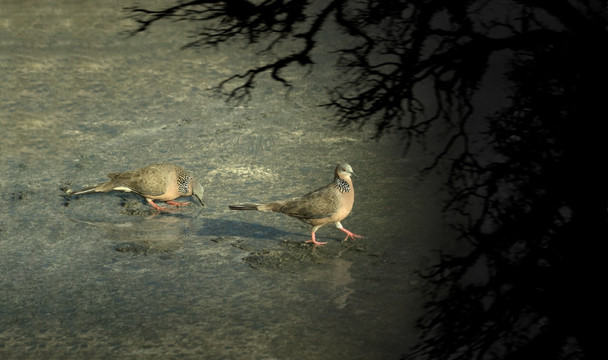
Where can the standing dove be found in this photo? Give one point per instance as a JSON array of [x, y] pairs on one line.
[[164, 182], [329, 204]]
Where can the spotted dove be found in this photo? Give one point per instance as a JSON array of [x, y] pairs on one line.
[[164, 182], [329, 204]]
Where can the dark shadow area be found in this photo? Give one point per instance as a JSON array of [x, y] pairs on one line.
[[527, 191], [234, 228]]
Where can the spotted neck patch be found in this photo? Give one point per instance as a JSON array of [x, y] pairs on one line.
[[183, 180], [342, 185]]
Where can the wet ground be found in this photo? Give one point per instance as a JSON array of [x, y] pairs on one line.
[[104, 276]]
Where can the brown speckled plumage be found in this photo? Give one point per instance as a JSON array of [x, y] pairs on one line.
[[329, 204], [164, 182]]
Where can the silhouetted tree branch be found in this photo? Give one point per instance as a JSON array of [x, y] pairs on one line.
[[271, 22], [533, 217]]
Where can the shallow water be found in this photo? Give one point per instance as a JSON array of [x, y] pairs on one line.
[[102, 276]]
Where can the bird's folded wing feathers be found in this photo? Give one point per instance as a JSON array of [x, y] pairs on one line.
[[315, 205], [138, 183]]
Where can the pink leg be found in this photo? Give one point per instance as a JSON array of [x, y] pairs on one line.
[[348, 233], [175, 203], [159, 208], [314, 240]]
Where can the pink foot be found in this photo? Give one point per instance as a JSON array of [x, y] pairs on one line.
[[350, 234], [175, 203], [159, 208], [314, 241]]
